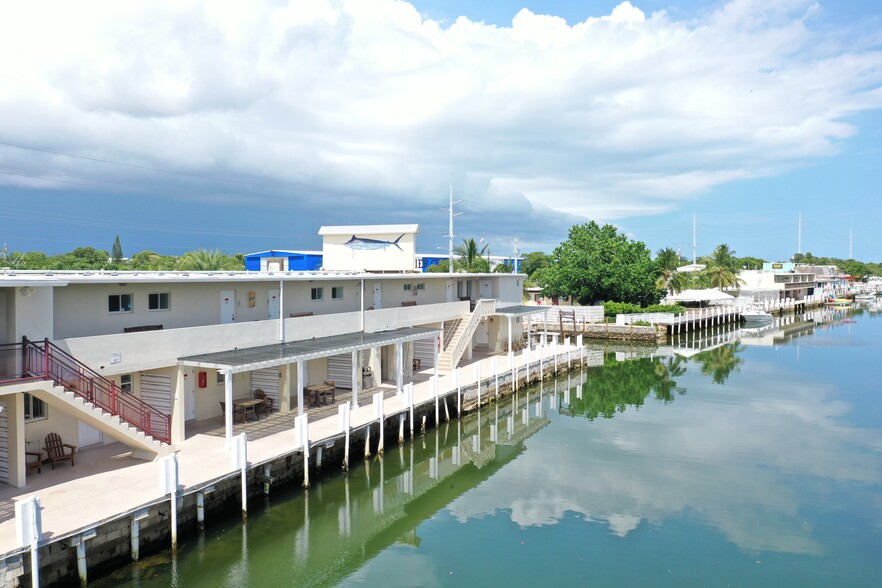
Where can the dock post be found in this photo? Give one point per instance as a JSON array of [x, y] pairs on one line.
[[410, 406], [343, 418], [240, 462], [135, 535], [478, 380], [400, 428], [82, 568], [381, 416], [168, 484], [200, 515], [554, 352], [367, 442], [458, 392], [435, 393]]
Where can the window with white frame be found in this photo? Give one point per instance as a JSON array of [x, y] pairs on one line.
[[337, 293], [119, 303], [421, 286], [34, 408], [407, 287], [159, 301], [125, 383], [317, 294]]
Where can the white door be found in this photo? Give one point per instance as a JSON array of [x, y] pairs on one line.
[[89, 435], [228, 306], [485, 289], [190, 396], [272, 302], [449, 290], [378, 295]]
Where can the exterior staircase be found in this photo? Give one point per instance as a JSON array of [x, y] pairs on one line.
[[461, 332], [60, 398], [74, 388]]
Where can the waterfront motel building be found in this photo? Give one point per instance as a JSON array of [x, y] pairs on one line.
[[136, 341]]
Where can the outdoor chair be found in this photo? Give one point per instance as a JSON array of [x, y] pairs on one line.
[[57, 450], [237, 411], [267, 406]]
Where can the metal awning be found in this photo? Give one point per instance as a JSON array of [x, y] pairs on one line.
[[521, 310], [266, 356]]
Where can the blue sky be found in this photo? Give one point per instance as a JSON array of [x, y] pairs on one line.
[[243, 128]]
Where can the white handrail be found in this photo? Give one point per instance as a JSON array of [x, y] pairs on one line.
[[483, 308]]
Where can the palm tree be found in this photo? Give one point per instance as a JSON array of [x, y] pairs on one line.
[[723, 256], [470, 260], [208, 260], [719, 276], [667, 258]]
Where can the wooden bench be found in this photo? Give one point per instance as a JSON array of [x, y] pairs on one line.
[[299, 314], [409, 303], [142, 328]]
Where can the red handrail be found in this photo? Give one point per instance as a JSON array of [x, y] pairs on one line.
[[50, 362]]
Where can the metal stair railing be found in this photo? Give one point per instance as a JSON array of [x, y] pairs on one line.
[[50, 362], [483, 308]]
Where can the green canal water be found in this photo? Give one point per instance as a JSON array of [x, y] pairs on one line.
[[753, 462]]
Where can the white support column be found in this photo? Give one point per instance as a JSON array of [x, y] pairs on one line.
[[356, 377], [300, 385], [343, 419], [435, 350], [228, 411], [399, 367], [509, 335]]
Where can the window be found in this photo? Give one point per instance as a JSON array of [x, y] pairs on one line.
[[125, 383], [421, 286], [318, 294], [337, 293], [159, 301], [119, 303], [34, 408], [407, 287]]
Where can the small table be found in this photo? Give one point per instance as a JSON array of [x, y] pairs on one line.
[[417, 364], [248, 404], [35, 465], [320, 391]]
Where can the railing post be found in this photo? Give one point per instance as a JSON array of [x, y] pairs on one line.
[[114, 403], [46, 358]]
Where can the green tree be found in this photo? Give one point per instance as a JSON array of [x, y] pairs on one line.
[[150, 261], [667, 258], [536, 260], [597, 263], [81, 258], [503, 268], [470, 258], [725, 257], [719, 276], [208, 260], [442, 267], [116, 253]]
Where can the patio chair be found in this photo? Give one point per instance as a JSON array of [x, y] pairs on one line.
[[57, 450], [237, 411], [267, 406]]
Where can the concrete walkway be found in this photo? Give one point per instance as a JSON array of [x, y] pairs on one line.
[[106, 482]]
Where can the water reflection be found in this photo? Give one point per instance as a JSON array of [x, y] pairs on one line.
[[773, 461]]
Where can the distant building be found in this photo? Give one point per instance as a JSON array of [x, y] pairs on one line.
[[283, 261]]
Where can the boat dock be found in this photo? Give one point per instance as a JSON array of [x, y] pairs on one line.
[[108, 510]]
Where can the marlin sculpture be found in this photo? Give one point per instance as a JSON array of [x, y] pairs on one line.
[[365, 244]]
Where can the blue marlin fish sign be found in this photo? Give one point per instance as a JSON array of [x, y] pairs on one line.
[[365, 244]]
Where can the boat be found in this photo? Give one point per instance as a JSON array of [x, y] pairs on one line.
[[754, 316], [865, 296]]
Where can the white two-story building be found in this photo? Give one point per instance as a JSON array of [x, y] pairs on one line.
[[100, 357]]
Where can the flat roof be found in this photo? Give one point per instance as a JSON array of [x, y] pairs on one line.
[[521, 310], [368, 229], [266, 356]]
